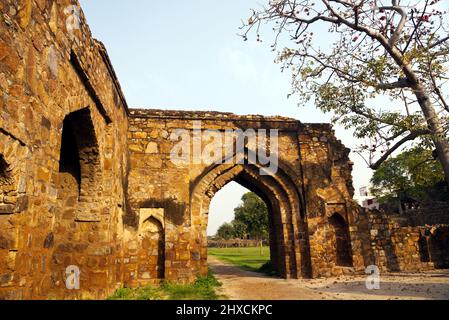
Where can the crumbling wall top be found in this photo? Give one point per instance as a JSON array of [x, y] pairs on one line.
[[204, 115]]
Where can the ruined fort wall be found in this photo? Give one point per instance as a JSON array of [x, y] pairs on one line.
[[170, 186], [395, 245], [48, 219], [331, 212], [412, 243], [318, 164], [85, 182]]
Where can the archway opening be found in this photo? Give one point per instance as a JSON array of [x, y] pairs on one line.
[[288, 233], [343, 248], [238, 228], [423, 245], [79, 167], [439, 248], [69, 160]]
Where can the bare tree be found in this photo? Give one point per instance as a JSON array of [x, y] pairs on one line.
[[395, 49]]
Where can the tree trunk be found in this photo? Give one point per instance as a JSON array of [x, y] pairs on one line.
[[434, 123], [432, 119]]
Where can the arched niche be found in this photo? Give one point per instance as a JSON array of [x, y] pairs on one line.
[[152, 237], [79, 165], [343, 248], [13, 175]]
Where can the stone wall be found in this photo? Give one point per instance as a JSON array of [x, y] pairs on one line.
[[312, 188], [430, 214], [398, 244], [331, 212], [56, 83], [434, 246]]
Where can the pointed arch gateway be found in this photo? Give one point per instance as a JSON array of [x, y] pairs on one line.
[[289, 243]]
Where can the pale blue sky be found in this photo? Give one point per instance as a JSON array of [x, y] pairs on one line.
[[186, 55]]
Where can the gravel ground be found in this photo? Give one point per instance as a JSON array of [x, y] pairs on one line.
[[240, 284]]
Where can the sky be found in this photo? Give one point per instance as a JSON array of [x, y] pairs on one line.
[[187, 55]]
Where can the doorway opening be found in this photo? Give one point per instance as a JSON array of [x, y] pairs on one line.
[[342, 241], [79, 166], [238, 229], [288, 234]]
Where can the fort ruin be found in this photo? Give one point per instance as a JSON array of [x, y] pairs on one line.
[[87, 181]]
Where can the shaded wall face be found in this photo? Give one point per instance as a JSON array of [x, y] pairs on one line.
[[53, 214]]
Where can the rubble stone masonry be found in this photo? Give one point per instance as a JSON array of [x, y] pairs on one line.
[[87, 182]]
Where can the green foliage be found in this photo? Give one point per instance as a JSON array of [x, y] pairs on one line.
[[380, 70], [250, 219], [414, 172], [239, 229], [225, 231], [204, 288], [143, 293], [349, 109], [253, 214]]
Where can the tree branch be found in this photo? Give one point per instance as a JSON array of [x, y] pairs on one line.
[[402, 83], [436, 44], [412, 136], [397, 33]]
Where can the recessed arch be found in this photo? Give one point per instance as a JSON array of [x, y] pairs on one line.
[[79, 162], [4, 171], [343, 249], [153, 239], [13, 159]]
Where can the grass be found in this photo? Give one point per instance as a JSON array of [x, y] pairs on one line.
[[204, 288], [246, 258]]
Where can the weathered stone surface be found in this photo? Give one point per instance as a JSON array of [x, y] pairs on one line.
[[86, 181], [45, 76]]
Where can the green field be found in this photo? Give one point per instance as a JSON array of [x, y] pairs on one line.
[[247, 258]]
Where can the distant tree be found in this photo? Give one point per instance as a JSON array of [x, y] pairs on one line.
[[414, 173], [253, 214], [395, 49], [240, 229], [250, 220], [225, 231]]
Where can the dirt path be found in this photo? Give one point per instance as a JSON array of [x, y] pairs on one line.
[[239, 284]]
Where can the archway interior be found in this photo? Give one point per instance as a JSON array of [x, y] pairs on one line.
[[342, 240], [221, 210], [4, 174], [289, 250], [79, 155]]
